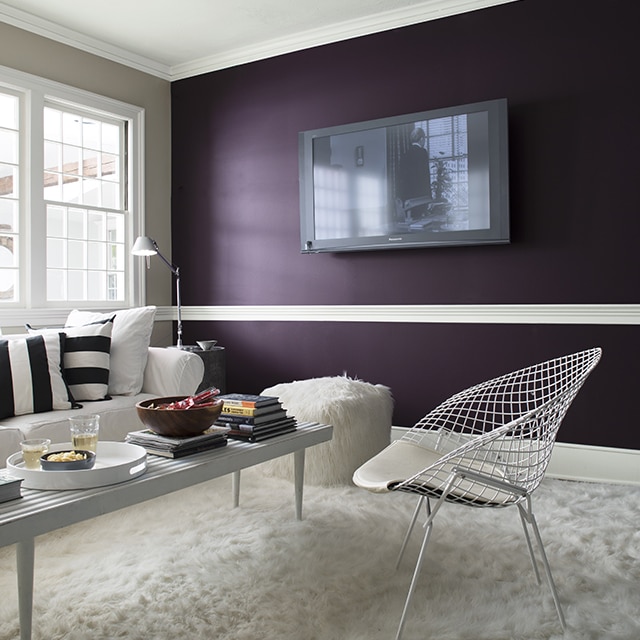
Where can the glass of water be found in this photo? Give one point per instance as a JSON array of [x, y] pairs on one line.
[[84, 432]]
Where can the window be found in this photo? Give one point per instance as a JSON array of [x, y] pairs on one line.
[[70, 196], [84, 170]]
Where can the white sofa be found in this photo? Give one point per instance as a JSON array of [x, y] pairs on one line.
[[168, 372], [107, 367]]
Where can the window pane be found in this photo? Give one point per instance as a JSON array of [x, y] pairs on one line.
[[52, 186], [8, 215], [90, 167], [90, 133], [110, 167], [56, 289], [76, 289], [115, 286], [70, 160], [96, 225], [75, 255], [7, 258], [110, 195], [8, 180], [116, 257], [97, 285], [110, 138], [8, 285], [56, 253], [71, 128], [91, 192], [52, 156], [8, 146], [71, 189], [8, 111], [76, 219], [115, 227], [96, 258], [52, 124]]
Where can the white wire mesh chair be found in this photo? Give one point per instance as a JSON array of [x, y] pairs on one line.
[[487, 446]]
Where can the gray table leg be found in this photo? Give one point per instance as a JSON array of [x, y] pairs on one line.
[[25, 552], [298, 474], [235, 484]]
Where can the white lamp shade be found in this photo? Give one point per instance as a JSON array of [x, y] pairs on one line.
[[144, 246]]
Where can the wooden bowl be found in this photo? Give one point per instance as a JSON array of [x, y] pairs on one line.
[[177, 422]]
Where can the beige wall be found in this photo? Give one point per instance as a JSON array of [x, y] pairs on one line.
[[46, 58]]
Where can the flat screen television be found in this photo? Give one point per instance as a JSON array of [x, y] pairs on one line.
[[428, 179]]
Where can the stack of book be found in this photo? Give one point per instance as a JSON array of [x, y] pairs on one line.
[[9, 487], [173, 447], [254, 417]]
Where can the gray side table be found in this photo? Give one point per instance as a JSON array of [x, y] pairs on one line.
[[215, 368]]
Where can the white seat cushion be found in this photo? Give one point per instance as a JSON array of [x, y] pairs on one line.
[[399, 461], [404, 459]]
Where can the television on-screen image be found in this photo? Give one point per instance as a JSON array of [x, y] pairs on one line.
[[428, 179]]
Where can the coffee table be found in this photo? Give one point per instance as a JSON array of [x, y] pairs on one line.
[[40, 512]]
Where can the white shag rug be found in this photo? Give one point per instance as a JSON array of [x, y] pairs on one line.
[[189, 566]]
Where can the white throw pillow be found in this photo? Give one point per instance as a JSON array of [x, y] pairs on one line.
[[31, 376], [129, 345]]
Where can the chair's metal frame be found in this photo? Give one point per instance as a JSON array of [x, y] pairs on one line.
[[496, 440]]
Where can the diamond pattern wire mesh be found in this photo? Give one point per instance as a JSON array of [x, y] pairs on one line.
[[502, 429]]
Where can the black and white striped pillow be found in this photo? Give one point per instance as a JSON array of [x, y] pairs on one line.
[[86, 360], [31, 375]]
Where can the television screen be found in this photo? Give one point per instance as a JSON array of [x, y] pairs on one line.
[[434, 178]]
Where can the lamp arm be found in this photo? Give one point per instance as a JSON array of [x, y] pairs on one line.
[[172, 267]]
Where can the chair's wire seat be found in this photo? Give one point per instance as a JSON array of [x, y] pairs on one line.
[[487, 446]]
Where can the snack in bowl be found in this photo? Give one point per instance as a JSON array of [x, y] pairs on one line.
[[181, 416], [68, 460]]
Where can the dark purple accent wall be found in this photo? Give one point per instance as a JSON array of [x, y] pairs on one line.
[[567, 68]]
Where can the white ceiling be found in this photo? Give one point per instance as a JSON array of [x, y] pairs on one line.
[[179, 39]]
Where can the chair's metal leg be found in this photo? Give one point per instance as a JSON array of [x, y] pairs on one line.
[[534, 563], [530, 518], [414, 579], [421, 499], [428, 526]]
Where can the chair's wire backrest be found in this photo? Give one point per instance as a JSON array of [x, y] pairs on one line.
[[505, 427]]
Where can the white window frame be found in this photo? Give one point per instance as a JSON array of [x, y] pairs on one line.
[[34, 92]]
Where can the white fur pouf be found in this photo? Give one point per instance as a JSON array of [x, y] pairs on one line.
[[360, 413]]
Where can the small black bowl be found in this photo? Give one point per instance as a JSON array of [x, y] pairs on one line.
[[73, 465]]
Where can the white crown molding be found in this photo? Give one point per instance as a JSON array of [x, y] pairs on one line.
[[52, 31], [383, 21]]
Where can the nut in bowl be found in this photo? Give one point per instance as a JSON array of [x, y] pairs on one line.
[[70, 460], [180, 416]]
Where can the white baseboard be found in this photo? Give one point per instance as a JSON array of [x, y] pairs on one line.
[[594, 464], [585, 463]]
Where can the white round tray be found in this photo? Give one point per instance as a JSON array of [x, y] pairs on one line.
[[115, 462]]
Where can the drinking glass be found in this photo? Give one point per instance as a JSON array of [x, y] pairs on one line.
[[32, 450], [84, 432]]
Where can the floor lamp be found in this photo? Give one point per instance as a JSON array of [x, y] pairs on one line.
[[146, 246]]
